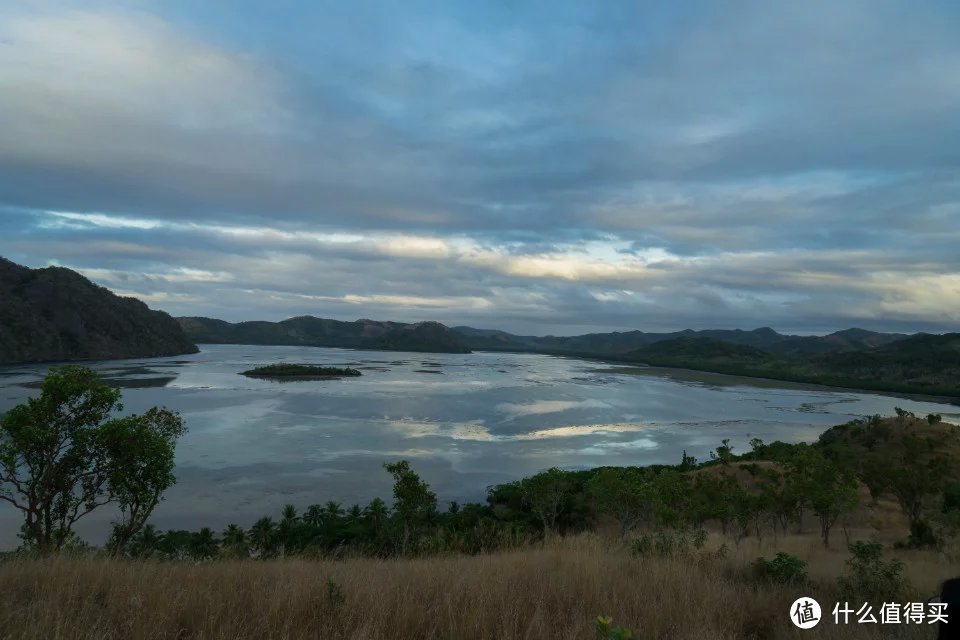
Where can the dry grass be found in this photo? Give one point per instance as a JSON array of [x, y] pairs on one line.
[[554, 591]]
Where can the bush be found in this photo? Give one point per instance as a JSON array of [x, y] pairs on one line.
[[784, 569], [869, 577], [922, 536], [669, 544], [605, 629]]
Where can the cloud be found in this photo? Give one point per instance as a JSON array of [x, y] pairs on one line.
[[538, 168]]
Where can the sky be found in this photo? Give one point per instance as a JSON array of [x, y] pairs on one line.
[[539, 167]]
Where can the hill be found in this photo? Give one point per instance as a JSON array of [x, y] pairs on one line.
[[922, 363], [620, 342], [56, 314], [322, 332]]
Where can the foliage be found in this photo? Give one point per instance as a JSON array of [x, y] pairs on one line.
[[62, 456], [300, 371], [335, 594], [625, 493], [869, 577], [546, 494], [785, 568], [413, 503], [605, 629]]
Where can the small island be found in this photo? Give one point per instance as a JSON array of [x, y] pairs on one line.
[[300, 372]]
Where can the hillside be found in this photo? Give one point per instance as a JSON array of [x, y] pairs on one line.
[[322, 332], [620, 342], [56, 314], [922, 363]]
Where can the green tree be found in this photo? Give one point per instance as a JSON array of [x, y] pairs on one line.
[[546, 494], [413, 500], [141, 449], [917, 478], [624, 493], [830, 491], [263, 537], [204, 544], [234, 542], [62, 456]]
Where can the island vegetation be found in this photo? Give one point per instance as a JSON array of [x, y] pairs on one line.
[[301, 372], [718, 548]]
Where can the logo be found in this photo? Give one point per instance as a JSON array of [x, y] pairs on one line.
[[805, 612]]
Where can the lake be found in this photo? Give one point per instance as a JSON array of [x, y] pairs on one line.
[[464, 421]]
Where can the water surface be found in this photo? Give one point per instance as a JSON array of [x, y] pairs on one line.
[[464, 421]]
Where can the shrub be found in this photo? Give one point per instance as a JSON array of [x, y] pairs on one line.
[[335, 594], [784, 569], [922, 536], [605, 629], [668, 544], [869, 577]]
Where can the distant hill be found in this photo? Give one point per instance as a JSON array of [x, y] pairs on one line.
[[922, 363], [56, 314], [322, 332], [618, 342]]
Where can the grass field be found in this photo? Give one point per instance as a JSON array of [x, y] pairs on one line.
[[555, 591]]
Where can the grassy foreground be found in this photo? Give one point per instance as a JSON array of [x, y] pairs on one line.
[[554, 590]]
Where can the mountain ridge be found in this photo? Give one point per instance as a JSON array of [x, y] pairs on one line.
[[427, 336], [56, 314]]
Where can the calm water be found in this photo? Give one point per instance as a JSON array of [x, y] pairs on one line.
[[464, 422]]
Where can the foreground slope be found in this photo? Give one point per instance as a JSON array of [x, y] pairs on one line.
[[554, 591], [57, 314]]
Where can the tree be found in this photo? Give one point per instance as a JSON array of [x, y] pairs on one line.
[[61, 457], [903, 415], [413, 500], [546, 494], [263, 537], [830, 492], [917, 478], [142, 452], [876, 471], [625, 493], [204, 544], [234, 542], [723, 453]]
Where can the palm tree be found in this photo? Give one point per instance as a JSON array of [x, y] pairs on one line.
[[376, 515], [146, 542], [204, 544], [288, 529], [333, 511], [354, 514], [235, 542], [314, 516], [263, 537]]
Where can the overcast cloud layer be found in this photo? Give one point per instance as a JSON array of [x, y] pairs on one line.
[[521, 165]]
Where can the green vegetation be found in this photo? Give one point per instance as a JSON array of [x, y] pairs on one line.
[[682, 527], [853, 358], [665, 508], [431, 337], [918, 364], [62, 456], [871, 577], [300, 372], [55, 314], [785, 568]]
